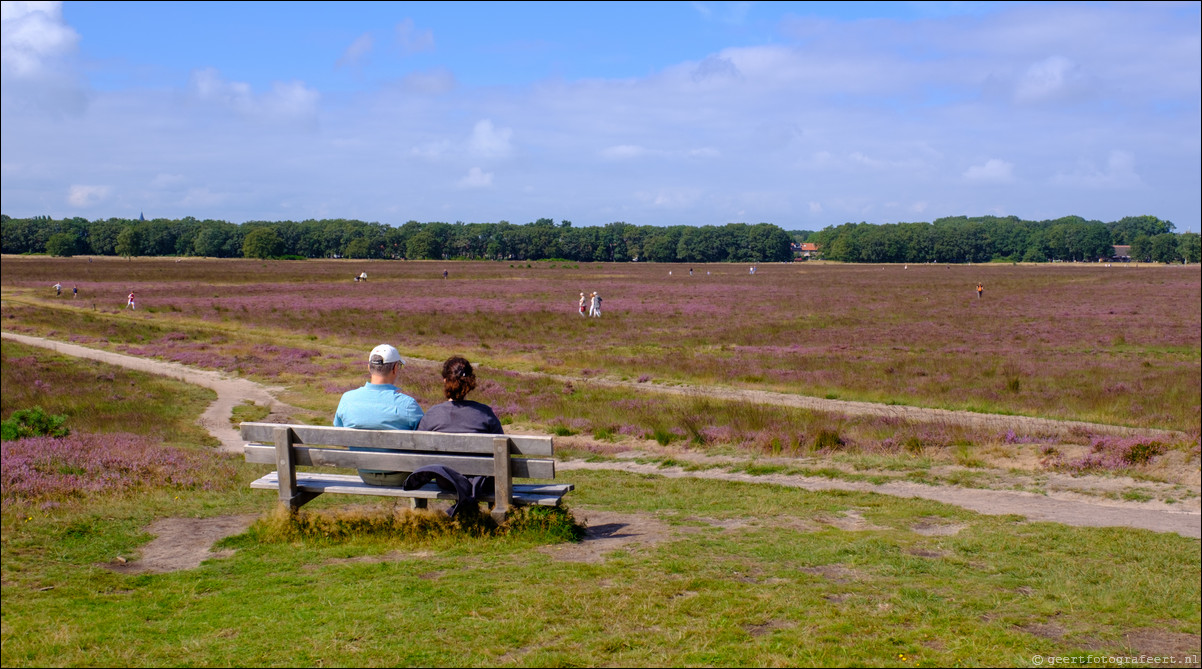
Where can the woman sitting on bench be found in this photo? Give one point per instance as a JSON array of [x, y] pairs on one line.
[[458, 414]]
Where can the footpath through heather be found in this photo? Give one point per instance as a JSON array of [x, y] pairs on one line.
[[1059, 506]]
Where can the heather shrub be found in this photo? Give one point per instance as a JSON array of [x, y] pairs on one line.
[[1108, 454], [49, 470], [33, 422]]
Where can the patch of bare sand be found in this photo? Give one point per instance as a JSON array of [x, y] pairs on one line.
[[936, 527], [607, 532], [836, 573], [182, 543], [1157, 642], [1141, 641], [849, 520]]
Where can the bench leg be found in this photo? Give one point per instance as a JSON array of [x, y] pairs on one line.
[[417, 503], [301, 498], [503, 484]]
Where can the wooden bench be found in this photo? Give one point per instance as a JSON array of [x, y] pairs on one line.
[[504, 457]]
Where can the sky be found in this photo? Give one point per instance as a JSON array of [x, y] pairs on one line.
[[800, 114]]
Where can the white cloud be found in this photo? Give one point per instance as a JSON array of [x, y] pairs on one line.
[[488, 141], [286, 101], [37, 51], [1049, 79], [201, 198], [33, 35], [1118, 173], [357, 51], [431, 82], [413, 40], [87, 196], [476, 178], [994, 171], [167, 180], [623, 152], [431, 150], [716, 68], [867, 161], [671, 198]]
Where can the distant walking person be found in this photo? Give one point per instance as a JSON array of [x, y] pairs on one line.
[[980, 289], [444, 274], [58, 289], [595, 309], [582, 301], [74, 292], [129, 303]]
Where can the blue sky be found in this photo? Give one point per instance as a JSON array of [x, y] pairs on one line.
[[697, 113]]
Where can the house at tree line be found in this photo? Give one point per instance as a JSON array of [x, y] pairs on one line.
[[804, 250]]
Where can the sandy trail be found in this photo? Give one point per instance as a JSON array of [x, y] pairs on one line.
[[231, 392], [1085, 512]]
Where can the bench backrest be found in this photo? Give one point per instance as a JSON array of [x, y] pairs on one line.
[[468, 454]]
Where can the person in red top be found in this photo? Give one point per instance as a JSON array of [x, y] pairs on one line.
[[129, 304]]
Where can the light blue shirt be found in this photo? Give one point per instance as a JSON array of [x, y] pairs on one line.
[[377, 406]]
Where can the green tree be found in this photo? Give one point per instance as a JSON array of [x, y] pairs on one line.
[[1189, 247], [424, 246], [1141, 248], [262, 243], [102, 236], [1164, 248], [62, 245], [129, 242], [359, 248], [212, 239], [1125, 230]]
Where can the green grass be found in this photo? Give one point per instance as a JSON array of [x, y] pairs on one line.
[[746, 575], [248, 412]]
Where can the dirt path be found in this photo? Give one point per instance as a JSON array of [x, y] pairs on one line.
[[1081, 512], [1061, 508]]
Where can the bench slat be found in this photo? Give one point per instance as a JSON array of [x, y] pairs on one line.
[[468, 465], [311, 482], [323, 435]]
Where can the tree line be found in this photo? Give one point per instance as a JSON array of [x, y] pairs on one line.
[[990, 238], [946, 240], [341, 238]]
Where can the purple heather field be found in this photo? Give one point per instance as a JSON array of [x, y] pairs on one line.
[[1113, 344]]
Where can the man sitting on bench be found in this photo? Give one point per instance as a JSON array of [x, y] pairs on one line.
[[379, 405]]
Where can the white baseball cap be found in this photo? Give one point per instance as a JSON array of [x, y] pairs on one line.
[[386, 354]]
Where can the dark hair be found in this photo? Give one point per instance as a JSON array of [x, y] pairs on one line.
[[377, 365], [458, 379]]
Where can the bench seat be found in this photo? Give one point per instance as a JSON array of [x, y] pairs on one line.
[[313, 482]]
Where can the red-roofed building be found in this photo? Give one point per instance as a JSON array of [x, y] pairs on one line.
[[804, 250]]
